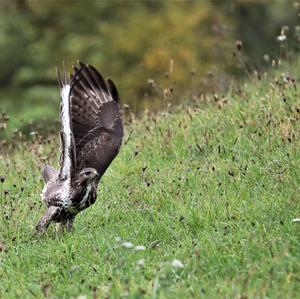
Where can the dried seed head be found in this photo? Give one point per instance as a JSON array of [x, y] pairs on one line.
[[239, 45], [284, 29], [266, 58], [171, 66], [151, 83], [193, 72], [273, 63]]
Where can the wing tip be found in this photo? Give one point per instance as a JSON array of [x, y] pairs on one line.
[[89, 75], [64, 79], [113, 89]]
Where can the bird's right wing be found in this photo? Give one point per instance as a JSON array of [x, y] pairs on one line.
[[68, 154]]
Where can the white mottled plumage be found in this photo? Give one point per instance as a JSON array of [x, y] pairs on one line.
[[66, 130], [65, 193], [85, 197], [67, 135]]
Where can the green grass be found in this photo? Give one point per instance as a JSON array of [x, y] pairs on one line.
[[214, 184]]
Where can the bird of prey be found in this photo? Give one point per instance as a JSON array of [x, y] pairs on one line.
[[91, 136]]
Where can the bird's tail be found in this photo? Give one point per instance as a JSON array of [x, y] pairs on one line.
[[49, 173]]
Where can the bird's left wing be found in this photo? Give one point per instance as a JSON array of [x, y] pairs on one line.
[[68, 154], [95, 117]]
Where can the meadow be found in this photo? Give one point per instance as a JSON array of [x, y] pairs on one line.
[[198, 204]]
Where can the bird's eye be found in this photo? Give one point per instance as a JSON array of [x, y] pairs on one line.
[[88, 173]]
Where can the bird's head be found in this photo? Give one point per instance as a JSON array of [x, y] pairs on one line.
[[88, 175]]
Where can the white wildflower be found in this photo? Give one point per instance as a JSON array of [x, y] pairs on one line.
[[177, 264], [139, 247], [127, 244], [141, 262]]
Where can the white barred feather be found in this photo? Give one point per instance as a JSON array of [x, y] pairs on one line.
[[67, 132]]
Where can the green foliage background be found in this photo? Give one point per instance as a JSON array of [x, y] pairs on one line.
[[214, 184], [176, 43]]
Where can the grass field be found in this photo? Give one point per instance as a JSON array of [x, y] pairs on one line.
[[213, 184]]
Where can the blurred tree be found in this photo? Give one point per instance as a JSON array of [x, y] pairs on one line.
[[174, 43], [258, 22]]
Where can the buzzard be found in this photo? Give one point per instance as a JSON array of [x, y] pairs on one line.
[[91, 136]]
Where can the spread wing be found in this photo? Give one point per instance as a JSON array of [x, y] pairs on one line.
[[68, 155], [95, 118]]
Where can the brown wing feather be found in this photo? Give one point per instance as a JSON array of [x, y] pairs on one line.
[[96, 121]]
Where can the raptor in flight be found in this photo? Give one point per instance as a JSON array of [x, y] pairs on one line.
[[91, 136]]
